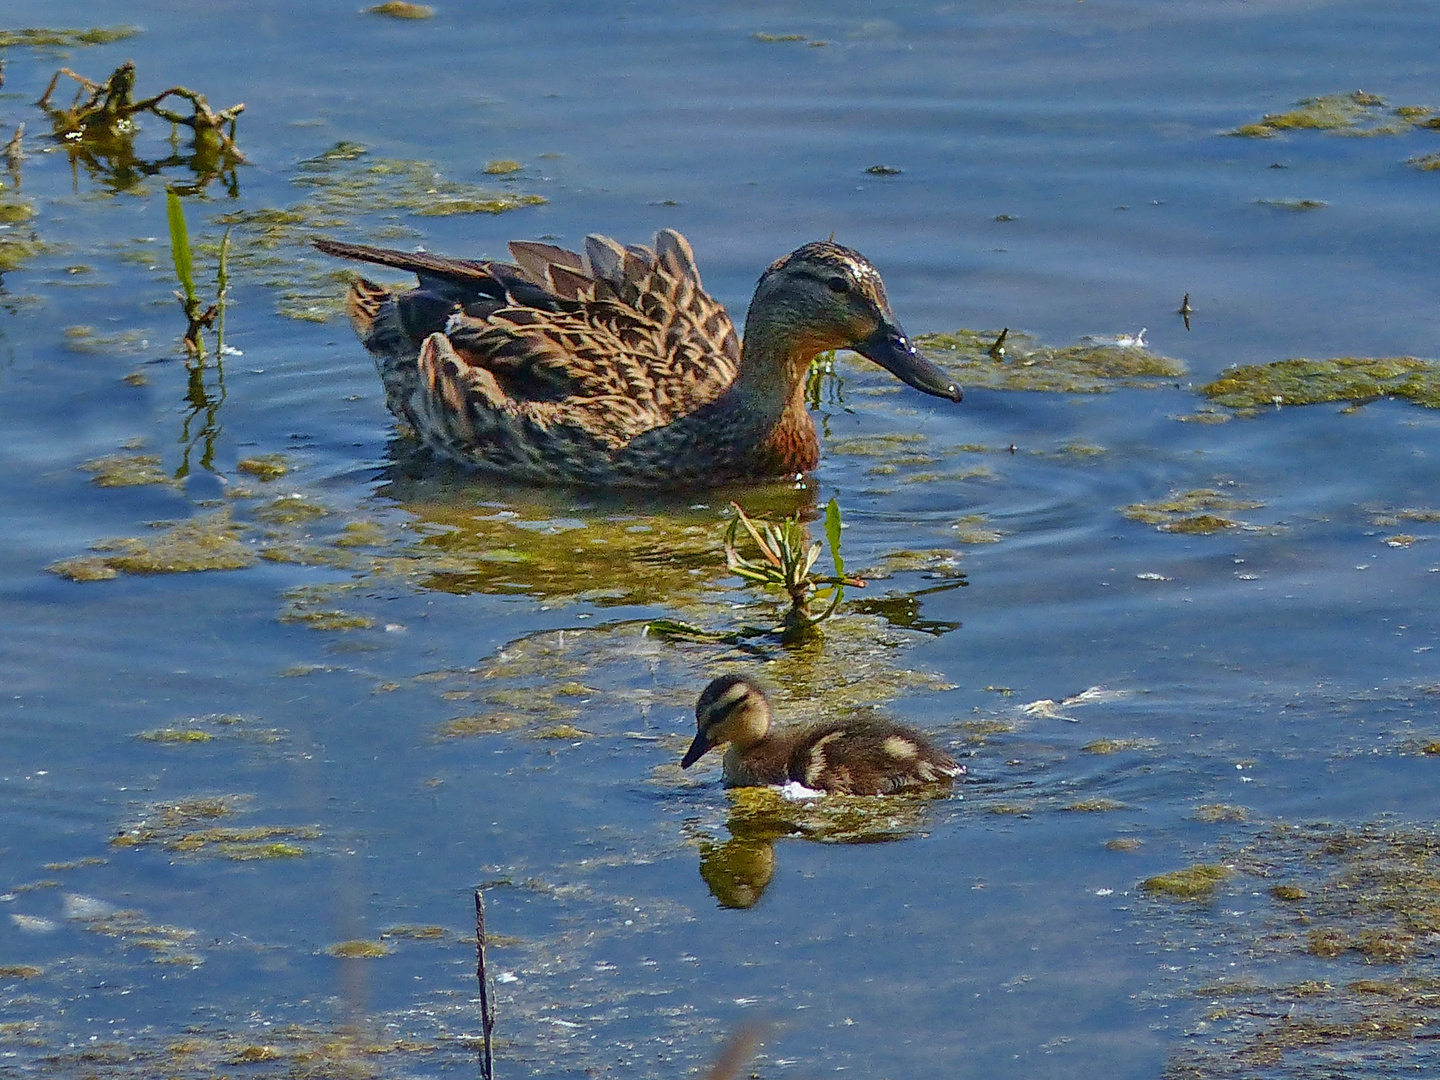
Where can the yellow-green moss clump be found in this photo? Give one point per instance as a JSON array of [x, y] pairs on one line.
[[1214, 813], [209, 542], [1185, 512], [975, 529], [305, 613], [265, 467], [1425, 162], [412, 932], [17, 247], [357, 950], [1116, 746], [44, 38], [1094, 806], [88, 340], [293, 509], [252, 1055], [20, 971], [1312, 382], [562, 731], [463, 727], [182, 827], [502, 168], [398, 9], [1294, 204], [176, 735], [83, 568], [1197, 882], [346, 189], [126, 470], [1025, 364], [1327, 942], [1355, 113], [1365, 901]]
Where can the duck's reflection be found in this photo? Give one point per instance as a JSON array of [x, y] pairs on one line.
[[480, 536], [738, 870]]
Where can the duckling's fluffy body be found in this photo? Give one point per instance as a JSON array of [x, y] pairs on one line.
[[614, 367], [852, 757]]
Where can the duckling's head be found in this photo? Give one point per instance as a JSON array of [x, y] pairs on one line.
[[825, 296], [731, 709]]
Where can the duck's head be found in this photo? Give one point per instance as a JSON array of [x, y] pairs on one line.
[[731, 709], [826, 296]]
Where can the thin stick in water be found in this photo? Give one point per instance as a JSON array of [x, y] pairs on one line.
[[487, 1017]]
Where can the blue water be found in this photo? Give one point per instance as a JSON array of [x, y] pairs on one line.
[[1287, 667]]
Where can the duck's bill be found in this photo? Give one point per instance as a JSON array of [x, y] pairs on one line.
[[696, 751], [896, 353]]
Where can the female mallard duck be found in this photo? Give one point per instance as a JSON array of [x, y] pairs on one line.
[[852, 757], [615, 368]]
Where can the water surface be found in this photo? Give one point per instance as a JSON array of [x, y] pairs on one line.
[[1282, 671]]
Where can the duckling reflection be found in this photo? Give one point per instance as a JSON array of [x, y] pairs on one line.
[[853, 756], [737, 871]]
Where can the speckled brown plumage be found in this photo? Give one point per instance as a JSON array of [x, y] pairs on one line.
[[615, 368], [852, 757]]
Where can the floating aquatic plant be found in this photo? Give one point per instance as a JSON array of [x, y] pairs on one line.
[[1353, 113], [99, 131], [787, 560], [1197, 882], [47, 38], [1310, 382], [199, 316], [342, 185], [399, 9], [1188, 511], [1011, 360]]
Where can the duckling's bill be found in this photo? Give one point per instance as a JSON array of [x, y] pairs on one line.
[[699, 746]]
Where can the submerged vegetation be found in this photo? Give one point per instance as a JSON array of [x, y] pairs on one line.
[[342, 185], [47, 38], [1312, 382], [400, 9], [1355, 113], [1349, 932], [207, 542], [99, 131], [188, 827], [1197, 882], [1017, 361], [1190, 511]]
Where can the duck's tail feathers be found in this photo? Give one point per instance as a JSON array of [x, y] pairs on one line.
[[417, 262]]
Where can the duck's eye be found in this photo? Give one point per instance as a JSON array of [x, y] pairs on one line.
[[838, 285]]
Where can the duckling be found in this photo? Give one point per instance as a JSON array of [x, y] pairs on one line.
[[851, 757], [614, 368]]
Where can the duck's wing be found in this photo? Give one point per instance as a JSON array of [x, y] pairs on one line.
[[633, 343], [616, 342], [865, 757]]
